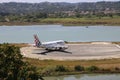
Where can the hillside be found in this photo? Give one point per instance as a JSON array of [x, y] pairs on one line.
[[97, 13], [47, 7]]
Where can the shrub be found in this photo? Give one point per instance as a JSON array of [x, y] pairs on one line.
[[92, 68], [60, 68], [49, 70], [79, 68], [117, 69]]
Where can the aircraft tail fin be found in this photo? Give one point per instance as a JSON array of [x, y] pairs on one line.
[[37, 41]]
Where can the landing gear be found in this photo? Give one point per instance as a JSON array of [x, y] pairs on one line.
[[60, 48]]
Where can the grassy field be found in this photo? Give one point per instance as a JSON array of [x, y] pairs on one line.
[[107, 63], [82, 21], [71, 21], [47, 67]]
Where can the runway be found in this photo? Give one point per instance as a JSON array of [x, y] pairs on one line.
[[87, 51]]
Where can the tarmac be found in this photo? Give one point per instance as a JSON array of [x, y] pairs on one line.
[[84, 51]]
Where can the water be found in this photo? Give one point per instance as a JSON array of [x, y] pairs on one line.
[[86, 77], [24, 34]]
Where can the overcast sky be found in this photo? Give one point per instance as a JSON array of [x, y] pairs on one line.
[[37, 1]]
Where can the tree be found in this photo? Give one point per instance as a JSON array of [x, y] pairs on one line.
[[78, 15], [110, 15], [12, 67]]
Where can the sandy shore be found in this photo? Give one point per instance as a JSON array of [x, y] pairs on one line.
[[87, 51]]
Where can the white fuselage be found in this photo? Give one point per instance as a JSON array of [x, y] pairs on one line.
[[54, 45]]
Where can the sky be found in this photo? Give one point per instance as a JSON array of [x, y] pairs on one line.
[[38, 1]]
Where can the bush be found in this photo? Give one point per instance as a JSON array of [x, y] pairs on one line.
[[92, 68], [49, 70], [117, 69], [60, 68], [79, 68]]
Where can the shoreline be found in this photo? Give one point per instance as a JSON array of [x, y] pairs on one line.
[[69, 22], [78, 73], [66, 25]]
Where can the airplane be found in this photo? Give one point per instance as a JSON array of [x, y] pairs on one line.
[[50, 46]]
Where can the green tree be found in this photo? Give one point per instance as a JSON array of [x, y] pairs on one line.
[[78, 15], [110, 15], [41, 15], [12, 67]]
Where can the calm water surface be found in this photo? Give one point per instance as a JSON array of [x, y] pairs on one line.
[[24, 34], [86, 77]]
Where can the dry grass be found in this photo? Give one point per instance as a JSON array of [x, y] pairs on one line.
[[83, 21], [71, 21], [20, 44], [106, 64]]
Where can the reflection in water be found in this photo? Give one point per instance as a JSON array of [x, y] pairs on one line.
[[86, 77]]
